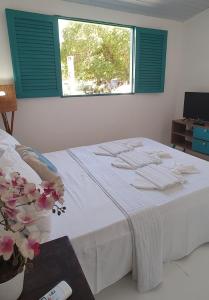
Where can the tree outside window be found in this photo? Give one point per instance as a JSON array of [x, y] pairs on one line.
[[95, 58]]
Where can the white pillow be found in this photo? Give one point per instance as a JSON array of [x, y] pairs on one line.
[[10, 161], [7, 140]]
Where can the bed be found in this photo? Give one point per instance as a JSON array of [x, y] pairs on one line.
[[100, 231]]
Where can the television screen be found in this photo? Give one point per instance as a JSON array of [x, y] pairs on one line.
[[196, 106]]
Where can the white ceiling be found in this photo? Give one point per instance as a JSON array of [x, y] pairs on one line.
[[179, 10]]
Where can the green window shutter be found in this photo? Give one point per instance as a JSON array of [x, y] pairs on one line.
[[34, 44], [150, 60]]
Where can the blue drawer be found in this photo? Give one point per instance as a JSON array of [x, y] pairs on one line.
[[201, 133], [200, 146]]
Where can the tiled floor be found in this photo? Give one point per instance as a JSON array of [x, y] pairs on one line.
[[186, 279]]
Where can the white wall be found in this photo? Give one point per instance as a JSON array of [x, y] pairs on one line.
[[195, 65], [196, 50], [56, 123]]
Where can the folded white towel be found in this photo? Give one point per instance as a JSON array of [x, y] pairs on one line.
[[143, 183], [119, 163], [159, 153], [137, 159], [161, 177], [115, 148], [184, 169], [133, 142], [102, 152]]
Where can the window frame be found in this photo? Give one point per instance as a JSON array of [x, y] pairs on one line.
[[132, 53], [56, 88]]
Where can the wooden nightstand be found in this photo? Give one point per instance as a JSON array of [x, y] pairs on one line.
[[56, 262]]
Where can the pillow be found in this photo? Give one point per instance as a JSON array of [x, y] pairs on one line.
[[10, 161], [7, 140], [46, 170], [24, 151]]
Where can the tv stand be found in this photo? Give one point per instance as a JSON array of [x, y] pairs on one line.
[[183, 137], [199, 122]]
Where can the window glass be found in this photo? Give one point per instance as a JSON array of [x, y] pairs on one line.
[[95, 58]]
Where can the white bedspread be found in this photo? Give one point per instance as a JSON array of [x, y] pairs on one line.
[[100, 232], [141, 213]]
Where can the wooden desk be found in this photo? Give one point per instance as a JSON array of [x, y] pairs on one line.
[[56, 262]]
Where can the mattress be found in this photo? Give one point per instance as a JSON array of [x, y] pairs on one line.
[[100, 232]]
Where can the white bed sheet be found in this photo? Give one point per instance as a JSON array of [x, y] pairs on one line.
[[99, 231]]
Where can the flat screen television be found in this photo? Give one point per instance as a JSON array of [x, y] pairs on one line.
[[196, 106]]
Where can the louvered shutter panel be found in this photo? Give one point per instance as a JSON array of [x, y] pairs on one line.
[[151, 45], [35, 54]]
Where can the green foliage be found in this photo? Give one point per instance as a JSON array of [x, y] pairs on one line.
[[101, 52]]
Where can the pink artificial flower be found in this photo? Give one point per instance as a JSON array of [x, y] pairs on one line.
[[35, 196], [29, 188], [48, 187], [30, 246], [55, 189], [11, 202], [17, 180], [10, 213], [57, 196], [25, 217], [4, 184], [17, 227], [2, 174], [44, 202], [6, 244], [10, 198], [34, 246]]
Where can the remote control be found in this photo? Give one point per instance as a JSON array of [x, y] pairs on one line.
[[62, 291]]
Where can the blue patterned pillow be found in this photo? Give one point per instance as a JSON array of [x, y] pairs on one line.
[[43, 159], [24, 151]]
